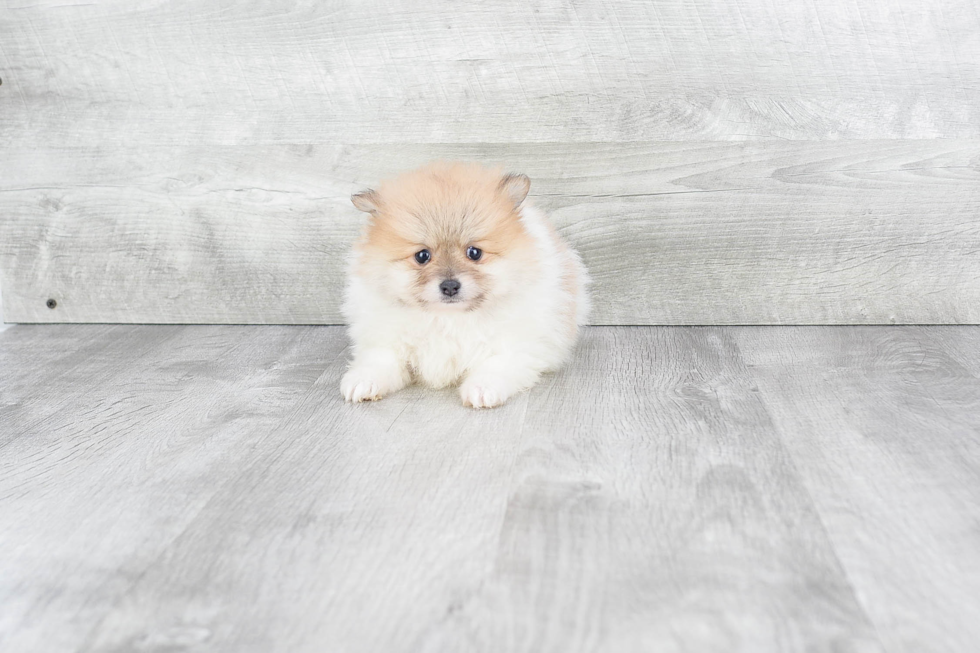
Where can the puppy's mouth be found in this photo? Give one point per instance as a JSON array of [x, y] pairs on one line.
[[453, 304], [452, 301]]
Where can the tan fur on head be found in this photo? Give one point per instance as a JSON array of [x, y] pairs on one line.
[[446, 208]]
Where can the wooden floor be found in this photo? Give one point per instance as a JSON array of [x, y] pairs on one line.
[[756, 489]]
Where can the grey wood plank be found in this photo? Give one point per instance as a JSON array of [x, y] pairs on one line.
[[25, 364], [673, 233], [92, 496], [78, 362], [503, 71], [351, 528], [639, 500], [3, 324], [675, 489], [960, 345], [882, 424], [654, 508]]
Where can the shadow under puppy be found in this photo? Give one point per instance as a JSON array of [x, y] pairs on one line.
[[456, 280]]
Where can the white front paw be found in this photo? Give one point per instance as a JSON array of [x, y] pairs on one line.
[[484, 392], [361, 385]]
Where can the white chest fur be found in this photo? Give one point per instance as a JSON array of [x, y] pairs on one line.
[[443, 347]]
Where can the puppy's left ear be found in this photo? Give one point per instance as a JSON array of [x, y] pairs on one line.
[[515, 187], [368, 201]]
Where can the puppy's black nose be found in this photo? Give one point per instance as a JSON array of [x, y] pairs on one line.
[[449, 287]]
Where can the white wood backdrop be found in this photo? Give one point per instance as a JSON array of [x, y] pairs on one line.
[[716, 163]]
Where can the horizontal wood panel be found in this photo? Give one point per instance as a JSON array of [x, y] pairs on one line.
[[769, 232], [486, 71]]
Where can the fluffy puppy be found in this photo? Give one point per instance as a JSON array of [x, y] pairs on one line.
[[456, 280]]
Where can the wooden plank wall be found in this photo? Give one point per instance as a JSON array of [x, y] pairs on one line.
[[715, 163]]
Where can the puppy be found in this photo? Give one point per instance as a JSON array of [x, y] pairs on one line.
[[456, 280]]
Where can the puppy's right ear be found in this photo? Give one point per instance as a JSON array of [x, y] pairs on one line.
[[368, 201], [515, 187]]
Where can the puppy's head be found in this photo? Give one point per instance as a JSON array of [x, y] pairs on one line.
[[446, 237]]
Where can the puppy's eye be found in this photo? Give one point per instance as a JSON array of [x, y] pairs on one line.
[[422, 256], [474, 253]]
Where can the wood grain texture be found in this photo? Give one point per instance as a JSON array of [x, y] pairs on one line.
[[673, 233], [346, 528], [882, 425], [187, 162], [3, 323], [221, 529], [216, 494], [485, 71], [151, 433], [88, 358], [653, 508]]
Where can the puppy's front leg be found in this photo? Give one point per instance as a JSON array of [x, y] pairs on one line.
[[493, 381], [374, 373]]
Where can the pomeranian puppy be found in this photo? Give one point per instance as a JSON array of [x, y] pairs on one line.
[[456, 280]]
